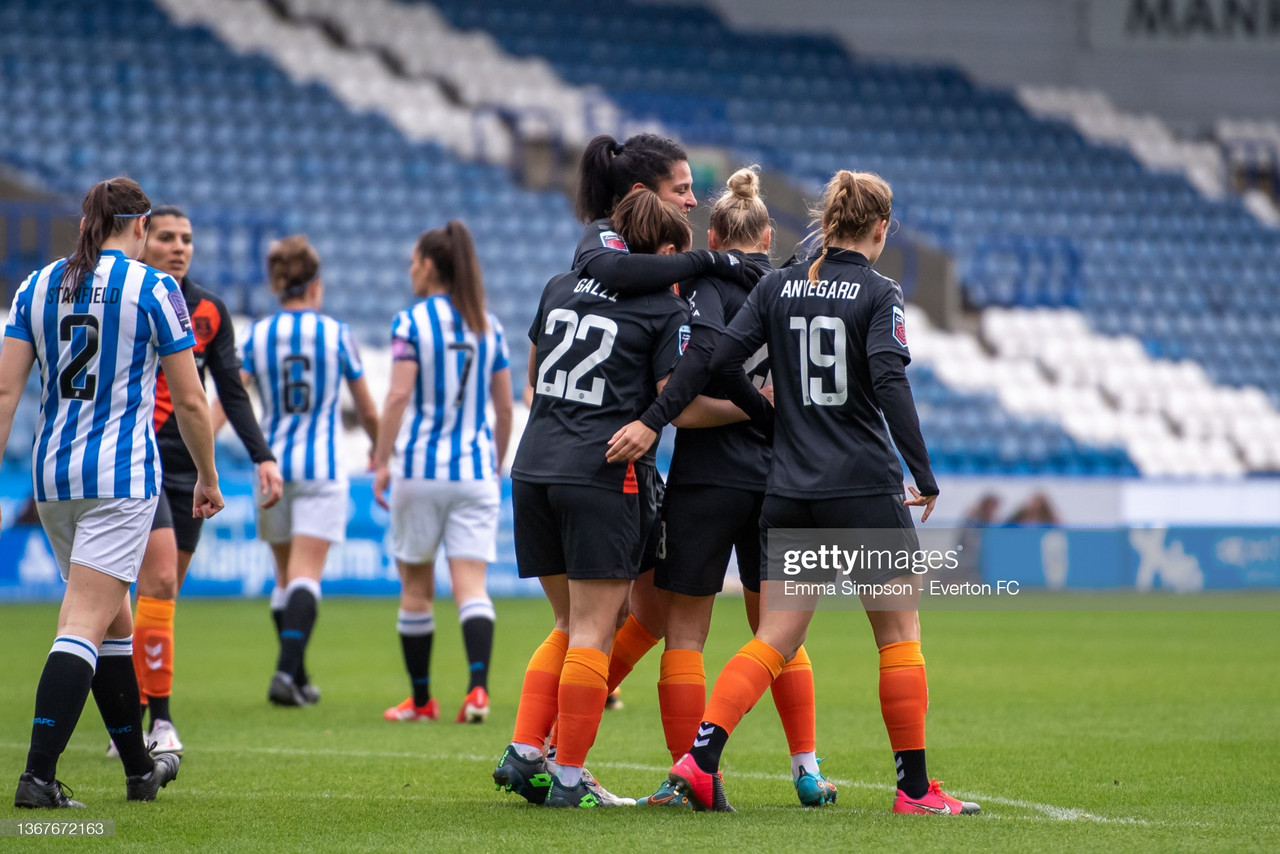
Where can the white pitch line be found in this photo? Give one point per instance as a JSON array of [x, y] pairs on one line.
[[1050, 811]]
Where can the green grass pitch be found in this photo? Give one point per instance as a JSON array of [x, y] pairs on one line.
[[1075, 730]]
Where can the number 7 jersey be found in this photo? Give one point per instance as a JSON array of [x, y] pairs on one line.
[[98, 346], [598, 358], [446, 435], [298, 360]]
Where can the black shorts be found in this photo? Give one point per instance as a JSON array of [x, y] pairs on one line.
[[884, 512], [585, 532], [701, 526], [173, 510], [652, 490]]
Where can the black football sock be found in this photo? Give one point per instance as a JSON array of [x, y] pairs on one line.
[[60, 696], [277, 617], [159, 709], [913, 778], [115, 690], [708, 745], [477, 617], [296, 624], [417, 630]]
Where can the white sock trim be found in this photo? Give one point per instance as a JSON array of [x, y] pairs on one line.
[[570, 775], [476, 609], [306, 583], [415, 623], [278, 598], [527, 751], [81, 648], [807, 761], [121, 646]]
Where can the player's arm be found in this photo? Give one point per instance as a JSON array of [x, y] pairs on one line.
[[533, 371], [404, 374], [16, 358], [745, 335], [893, 393], [232, 405], [192, 410], [633, 274], [366, 409], [503, 412]]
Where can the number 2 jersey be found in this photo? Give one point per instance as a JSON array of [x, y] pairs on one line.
[[830, 439], [98, 346], [598, 358], [298, 360], [446, 435]]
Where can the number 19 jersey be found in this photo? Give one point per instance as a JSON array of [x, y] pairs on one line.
[[298, 360], [598, 358], [98, 345]]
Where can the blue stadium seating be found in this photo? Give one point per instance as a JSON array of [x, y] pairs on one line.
[[92, 90], [1033, 213]]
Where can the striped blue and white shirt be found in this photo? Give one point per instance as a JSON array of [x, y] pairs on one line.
[[446, 435], [298, 360], [98, 346]]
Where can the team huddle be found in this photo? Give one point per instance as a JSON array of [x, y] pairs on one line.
[[755, 367]]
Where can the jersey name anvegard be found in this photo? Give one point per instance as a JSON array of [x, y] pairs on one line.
[[597, 360], [824, 289]]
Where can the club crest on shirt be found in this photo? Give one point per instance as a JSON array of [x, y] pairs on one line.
[[900, 327], [613, 240], [685, 334], [204, 329], [179, 303]]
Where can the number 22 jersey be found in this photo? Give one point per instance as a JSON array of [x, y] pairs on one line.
[[598, 358]]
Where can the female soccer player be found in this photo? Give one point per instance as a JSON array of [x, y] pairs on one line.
[[596, 360], [97, 322], [838, 341], [712, 506], [608, 172], [174, 532], [450, 359], [298, 359]]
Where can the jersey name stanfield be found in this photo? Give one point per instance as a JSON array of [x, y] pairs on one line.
[[84, 293], [825, 289], [591, 286]]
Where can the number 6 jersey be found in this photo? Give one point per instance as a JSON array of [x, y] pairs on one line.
[[98, 345], [298, 360], [598, 359]]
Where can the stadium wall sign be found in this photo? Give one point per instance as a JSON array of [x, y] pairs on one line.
[[1202, 24]]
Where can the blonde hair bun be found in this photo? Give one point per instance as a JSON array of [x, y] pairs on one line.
[[745, 184]]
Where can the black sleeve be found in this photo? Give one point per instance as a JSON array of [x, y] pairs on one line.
[[632, 274], [893, 393], [726, 369], [686, 381], [224, 366]]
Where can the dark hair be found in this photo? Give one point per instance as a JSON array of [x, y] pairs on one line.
[[608, 170], [648, 223], [168, 210], [292, 264], [109, 208], [452, 252]]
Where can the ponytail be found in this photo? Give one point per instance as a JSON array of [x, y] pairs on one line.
[[852, 204], [453, 254], [109, 208], [610, 169]]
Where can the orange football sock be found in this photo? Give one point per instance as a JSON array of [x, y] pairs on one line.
[[904, 694], [537, 710], [153, 646], [630, 644], [583, 689], [793, 696], [682, 697], [741, 683]]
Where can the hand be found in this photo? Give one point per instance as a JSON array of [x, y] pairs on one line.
[[918, 500], [767, 393], [381, 483], [206, 499], [270, 483], [630, 443]]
